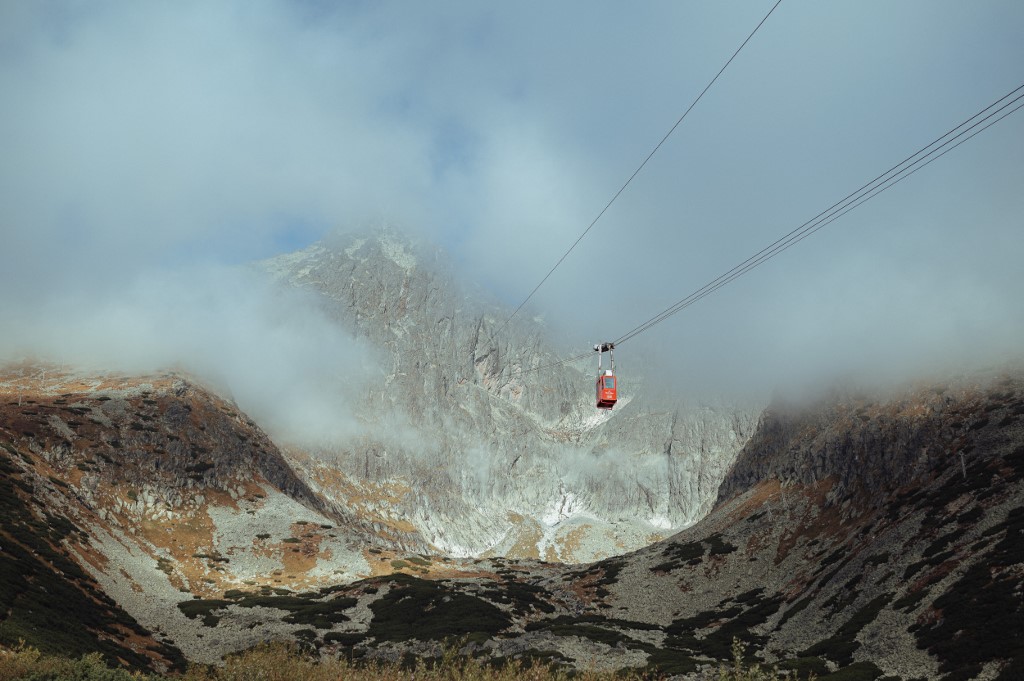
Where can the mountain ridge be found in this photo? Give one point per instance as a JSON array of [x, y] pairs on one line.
[[496, 451], [802, 566], [838, 535]]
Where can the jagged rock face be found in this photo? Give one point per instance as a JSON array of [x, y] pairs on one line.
[[497, 460], [163, 438], [869, 446]]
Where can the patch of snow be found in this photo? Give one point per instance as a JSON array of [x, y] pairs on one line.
[[454, 549], [602, 416], [290, 265], [465, 537], [356, 245], [594, 420], [395, 250], [661, 522], [553, 536]]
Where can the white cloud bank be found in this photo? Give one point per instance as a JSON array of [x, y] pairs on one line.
[[146, 145], [272, 351]]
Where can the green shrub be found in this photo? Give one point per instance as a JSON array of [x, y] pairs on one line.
[[30, 665], [858, 671], [425, 610], [280, 661], [203, 607], [58, 482], [740, 671]]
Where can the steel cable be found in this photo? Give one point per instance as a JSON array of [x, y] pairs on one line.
[[984, 119], [635, 172]]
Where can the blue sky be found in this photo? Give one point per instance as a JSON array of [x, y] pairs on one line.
[[161, 137]]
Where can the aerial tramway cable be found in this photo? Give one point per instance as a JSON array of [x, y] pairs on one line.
[[984, 119], [637, 171], [881, 183]]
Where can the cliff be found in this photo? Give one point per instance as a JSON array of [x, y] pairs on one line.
[[498, 458]]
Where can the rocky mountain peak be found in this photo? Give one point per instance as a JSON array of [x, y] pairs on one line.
[[489, 444]]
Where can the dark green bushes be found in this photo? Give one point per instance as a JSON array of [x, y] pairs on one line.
[[420, 609]]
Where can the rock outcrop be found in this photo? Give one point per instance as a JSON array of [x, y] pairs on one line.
[[151, 491], [869, 446], [500, 456]]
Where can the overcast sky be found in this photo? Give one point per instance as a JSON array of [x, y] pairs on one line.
[[144, 142]]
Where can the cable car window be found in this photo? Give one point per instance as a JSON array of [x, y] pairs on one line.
[[609, 382]]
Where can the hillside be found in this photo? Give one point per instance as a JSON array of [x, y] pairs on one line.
[[874, 537], [881, 537], [150, 491]]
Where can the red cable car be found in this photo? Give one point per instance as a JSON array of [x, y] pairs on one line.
[[607, 388]]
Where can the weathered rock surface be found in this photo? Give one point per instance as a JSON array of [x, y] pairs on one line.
[[164, 492], [497, 456], [880, 537]]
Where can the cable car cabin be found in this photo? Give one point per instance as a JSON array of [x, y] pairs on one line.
[[607, 391]]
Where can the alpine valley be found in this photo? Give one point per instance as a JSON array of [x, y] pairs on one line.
[[857, 535]]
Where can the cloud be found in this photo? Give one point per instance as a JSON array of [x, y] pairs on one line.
[[145, 141], [151, 130], [273, 351]]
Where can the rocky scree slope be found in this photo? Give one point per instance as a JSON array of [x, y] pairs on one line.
[[149, 492], [878, 569], [482, 458], [862, 539]]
